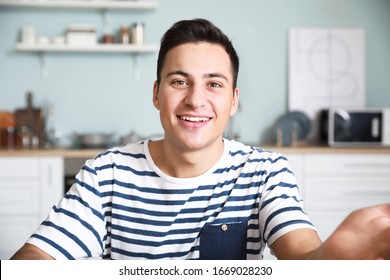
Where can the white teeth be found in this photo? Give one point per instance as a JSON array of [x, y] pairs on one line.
[[194, 119]]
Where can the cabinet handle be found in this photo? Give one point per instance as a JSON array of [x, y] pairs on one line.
[[368, 193], [49, 175], [370, 165]]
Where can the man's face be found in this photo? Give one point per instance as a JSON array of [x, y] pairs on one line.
[[195, 95]]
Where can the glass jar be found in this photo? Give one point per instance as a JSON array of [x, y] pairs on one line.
[[124, 36]]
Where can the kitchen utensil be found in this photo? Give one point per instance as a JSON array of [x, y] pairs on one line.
[[32, 119], [7, 119], [93, 140]]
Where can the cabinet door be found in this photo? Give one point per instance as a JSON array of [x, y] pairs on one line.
[[18, 167], [347, 164], [52, 183], [14, 232], [19, 197], [29, 186], [346, 193]]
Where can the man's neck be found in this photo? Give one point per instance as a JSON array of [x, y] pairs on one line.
[[184, 164]]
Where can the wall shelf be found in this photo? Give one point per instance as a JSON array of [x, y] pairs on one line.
[[101, 5], [98, 48], [133, 49], [79, 4]]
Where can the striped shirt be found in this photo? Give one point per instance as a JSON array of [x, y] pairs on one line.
[[122, 206]]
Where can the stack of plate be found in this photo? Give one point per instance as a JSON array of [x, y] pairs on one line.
[[292, 127]]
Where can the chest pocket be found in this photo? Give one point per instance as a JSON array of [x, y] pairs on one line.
[[223, 242]]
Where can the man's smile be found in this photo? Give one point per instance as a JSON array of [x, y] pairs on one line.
[[194, 119]]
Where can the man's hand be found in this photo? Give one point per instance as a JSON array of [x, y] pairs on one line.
[[364, 234]]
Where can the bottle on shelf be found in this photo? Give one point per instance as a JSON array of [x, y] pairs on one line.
[[124, 35], [137, 33]]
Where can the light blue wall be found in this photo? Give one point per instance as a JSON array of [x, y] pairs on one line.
[[99, 92]]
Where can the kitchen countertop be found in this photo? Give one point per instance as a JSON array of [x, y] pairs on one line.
[[65, 153], [90, 153]]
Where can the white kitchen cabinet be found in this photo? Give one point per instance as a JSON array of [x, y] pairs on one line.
[[334, 185], [29, 187]]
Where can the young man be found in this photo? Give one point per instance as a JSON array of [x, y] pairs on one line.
[[194, 194]]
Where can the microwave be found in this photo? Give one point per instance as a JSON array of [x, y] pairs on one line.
[[356, 127]]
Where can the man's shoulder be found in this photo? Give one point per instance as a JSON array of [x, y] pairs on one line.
[[127, 151], [239, 148]]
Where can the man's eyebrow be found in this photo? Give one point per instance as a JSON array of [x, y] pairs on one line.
[[178, 72], [207, 75], [215, 75]]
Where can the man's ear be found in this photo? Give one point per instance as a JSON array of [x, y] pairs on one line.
[[235, 101], [156, 102]]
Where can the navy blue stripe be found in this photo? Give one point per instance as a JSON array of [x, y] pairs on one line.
[[256, 240], [279, 211], [282, 185], [140, 220], [283, 196], [140, 199], [70, 235], [127, 168], [149, 243], [153, 233], [218, 185], [84, 203], [253, 174], [107, 257], [87, 187], [138, 210], [250, 160], [254, 226], [144, 189], [239, 152], [84, 223], [252, 251], [148, 255], [55, 245], [285, 224], [89, 169], [282, 210], [275, 173], [226, 169], [137, 156], [271, 160]]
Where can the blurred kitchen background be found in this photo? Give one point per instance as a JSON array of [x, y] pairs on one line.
[[59, 92], [111, 92]]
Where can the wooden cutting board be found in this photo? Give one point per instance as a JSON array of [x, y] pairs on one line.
[[33, 119], [7, 119]]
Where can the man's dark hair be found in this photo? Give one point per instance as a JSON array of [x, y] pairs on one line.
[[194, 31]]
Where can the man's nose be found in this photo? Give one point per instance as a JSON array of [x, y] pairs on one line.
[[196, 96]]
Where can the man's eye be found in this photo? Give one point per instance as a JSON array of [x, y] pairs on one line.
[[215, 85], [179, 82]]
